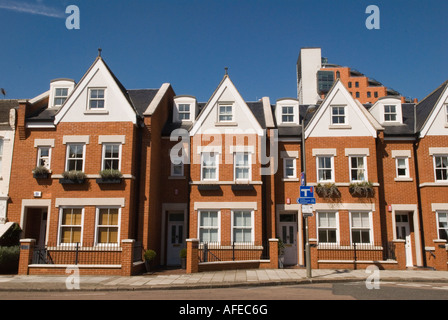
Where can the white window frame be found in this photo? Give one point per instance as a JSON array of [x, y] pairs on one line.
[[226, 114], [183, 112], [68, 153], [438, 213], [370, 227], [289, 114], [294, 167], [173, 173], [249, 166], [39, 156], [365, 167], [56, 96], [251, 227], [435, 168], [60, 226], [103, 156], [390, 113], [344, 115], [406, 167], [218, 227], [90, 99], [331, 168], [336, 227], [98, 226], [216, 166]]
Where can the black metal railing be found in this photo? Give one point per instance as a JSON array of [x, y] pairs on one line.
[[233, 251], [77, 253], [356, 251]]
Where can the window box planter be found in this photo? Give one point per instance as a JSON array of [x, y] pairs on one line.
[[73, 177], [41, 173], [108, 180], [328, 190], [242, 187], [362, 189], [208, 187], [110, 176]]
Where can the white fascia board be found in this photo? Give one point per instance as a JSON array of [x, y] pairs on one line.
[[435, 111], [157, 99]]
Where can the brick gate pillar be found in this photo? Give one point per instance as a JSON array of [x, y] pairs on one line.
[[127, 257], [192, 256], [441, 256], [26, 255]]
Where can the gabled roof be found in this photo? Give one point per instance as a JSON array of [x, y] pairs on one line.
[[369, 121], [254, 110]]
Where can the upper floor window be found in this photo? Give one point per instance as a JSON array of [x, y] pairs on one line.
[[289, 168], [209, 163], [60, 95], [44, 157], [184, 112], [375, 94], [287, 114], [225, 113], [111, 156], [242, 166], [96, 99], [357, 84], [390, 113], [402, 167], [358, 170], [75, 157], [325, 169], [441, 167], [338, 115], [349, 84]]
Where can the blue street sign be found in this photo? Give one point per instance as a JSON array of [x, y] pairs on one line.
[[302, 179], [306, 200], [306, 192]]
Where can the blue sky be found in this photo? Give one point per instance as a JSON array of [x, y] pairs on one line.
[[189, 42]]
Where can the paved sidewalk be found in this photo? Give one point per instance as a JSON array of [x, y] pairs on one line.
[[220, 279]]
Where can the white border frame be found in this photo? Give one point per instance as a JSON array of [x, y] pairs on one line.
[[252, 222], [199, 224], [61, 210], [97, 215]]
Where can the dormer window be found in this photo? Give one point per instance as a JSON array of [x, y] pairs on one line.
[[288, 114], [96, 99], [287, 111], [184, 112], [225, 113], [60, 95], [390, 113], [338, 115]]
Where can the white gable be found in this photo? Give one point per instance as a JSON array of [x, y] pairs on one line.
[[240, 117], [437, 124], [116, 107], [356, 121]]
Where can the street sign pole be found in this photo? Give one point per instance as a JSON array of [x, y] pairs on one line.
[[307, 250]]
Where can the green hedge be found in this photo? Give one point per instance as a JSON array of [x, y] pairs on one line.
[[9, 259]]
